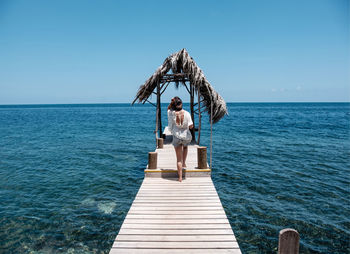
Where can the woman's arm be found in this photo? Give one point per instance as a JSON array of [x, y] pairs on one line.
[[170, 120]]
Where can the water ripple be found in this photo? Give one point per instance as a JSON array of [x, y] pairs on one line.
[[68, 174]]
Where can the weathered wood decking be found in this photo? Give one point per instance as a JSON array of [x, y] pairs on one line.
[[172, 217]]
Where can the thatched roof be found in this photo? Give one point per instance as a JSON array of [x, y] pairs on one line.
[[182, 62]]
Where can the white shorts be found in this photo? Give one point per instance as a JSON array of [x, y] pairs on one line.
[[178, 142]]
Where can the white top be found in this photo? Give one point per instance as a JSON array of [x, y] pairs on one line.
[[177, 128]]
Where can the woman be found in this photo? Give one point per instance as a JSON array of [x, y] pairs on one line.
[[179, 123]]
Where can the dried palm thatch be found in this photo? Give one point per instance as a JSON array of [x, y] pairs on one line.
[[182, 62]]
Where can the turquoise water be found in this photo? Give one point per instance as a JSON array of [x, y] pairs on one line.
[[69, 173]]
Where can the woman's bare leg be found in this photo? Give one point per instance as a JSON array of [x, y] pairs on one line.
[[184, 156], [178, 151]]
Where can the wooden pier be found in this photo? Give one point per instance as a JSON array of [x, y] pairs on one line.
[[172, 217]]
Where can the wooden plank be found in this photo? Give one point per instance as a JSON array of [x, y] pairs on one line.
[[171, 212], [180, 193], [179, 204], [145, 199], [177, 187], [177, 184], [177, 221], [176, 195], [168, 172], [176, 199], [188, 193], [208, 191], [184, 199], [175, 245], [176, 232], [176, 238], [174, 192], [173, 251], [175, 216], [175, 202], [173, 208], [188, 180], [173, 182], [182, 190], [166, 203], [175, 226]]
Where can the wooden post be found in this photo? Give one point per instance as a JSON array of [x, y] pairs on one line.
[[160, 142], [288, 242], [152, 160], [192, 110], [202, 157], [156, 130], [159, 111], [199, 118]]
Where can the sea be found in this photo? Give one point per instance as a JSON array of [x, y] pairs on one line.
[[69, 173]]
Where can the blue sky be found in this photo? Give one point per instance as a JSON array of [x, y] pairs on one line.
[[102, 51]]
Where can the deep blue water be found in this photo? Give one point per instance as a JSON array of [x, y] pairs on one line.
[[69, 173]]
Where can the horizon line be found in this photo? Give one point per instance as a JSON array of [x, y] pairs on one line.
[[106, 103]]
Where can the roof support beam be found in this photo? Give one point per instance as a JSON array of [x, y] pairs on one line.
[[188, 90], [164, 88], [151, 103]]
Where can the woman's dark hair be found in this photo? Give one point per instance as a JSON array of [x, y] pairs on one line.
[[170, 106], [177, 105]]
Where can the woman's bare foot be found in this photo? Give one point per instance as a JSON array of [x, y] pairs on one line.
[[180, 180]]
